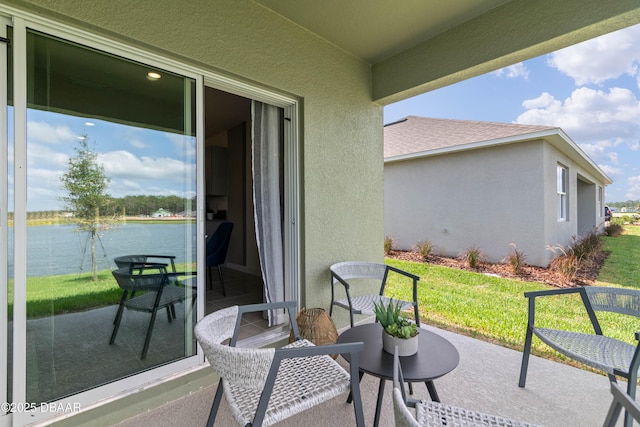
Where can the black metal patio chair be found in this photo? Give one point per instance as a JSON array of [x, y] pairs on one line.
[[158, 292]]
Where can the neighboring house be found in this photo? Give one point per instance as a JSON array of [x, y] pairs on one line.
[[161, 213], [460, 184], [217, 83]]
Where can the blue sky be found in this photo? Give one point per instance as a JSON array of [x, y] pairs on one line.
[[591, 90]]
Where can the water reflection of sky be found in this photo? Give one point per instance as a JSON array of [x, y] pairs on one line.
[[138, 161], [58, 249]]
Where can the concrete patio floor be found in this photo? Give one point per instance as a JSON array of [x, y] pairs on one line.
[[485, 380]]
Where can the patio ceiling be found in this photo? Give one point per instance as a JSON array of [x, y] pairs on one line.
[[377, 30], [415, 46]]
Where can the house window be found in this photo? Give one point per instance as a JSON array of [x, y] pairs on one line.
[[600, 201], [562, 193]]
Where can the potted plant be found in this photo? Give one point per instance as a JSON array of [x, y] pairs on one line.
[[397, 330]]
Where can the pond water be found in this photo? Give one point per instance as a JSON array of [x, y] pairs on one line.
[[60, 249]]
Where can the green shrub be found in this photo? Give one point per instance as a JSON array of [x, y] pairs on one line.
[[425, 248], [516, 259], [388, 244], [614, 229], [584, 247], [566, 264], [473, 256]]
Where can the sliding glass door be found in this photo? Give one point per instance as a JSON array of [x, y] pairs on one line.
[[110, 184]]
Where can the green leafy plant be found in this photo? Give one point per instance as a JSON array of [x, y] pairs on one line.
[[613, 230], [425, 248], [586, 246], [566, 264], [388, 244], [473, 256], [393, 322], [516, 259]]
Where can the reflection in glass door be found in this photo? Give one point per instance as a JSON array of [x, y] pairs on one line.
[[111, 155]]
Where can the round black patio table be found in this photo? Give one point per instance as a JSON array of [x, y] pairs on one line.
[[435, 357]]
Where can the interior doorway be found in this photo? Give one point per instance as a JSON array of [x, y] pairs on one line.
[[229, 198]]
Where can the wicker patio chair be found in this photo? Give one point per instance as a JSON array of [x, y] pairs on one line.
[[615, 357], [158, 292], [263, 386], [433, 414], [352, 273]]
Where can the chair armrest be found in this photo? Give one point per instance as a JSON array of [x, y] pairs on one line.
[[250, 308], [404, 273], [319, 350], [564, 291], [291, 307], [546, 292], [339, 279]]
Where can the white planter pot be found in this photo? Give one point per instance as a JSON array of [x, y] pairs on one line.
[[406, 346]]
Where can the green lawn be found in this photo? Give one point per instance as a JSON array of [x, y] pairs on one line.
[[50, 295], [495, 309]]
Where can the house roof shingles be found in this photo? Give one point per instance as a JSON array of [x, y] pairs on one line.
[[420, 134]]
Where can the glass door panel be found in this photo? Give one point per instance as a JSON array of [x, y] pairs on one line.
[[111, 156]]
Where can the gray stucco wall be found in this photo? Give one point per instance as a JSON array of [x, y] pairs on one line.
[[583, 213], [488, 198], [341, 128]]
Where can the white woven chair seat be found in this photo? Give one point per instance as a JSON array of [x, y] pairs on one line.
[[364, 304], [170, 295], [301, 384], [598, 351], [436, 414]]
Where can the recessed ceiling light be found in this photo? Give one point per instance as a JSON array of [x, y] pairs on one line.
[[152, 75], [89, 124]]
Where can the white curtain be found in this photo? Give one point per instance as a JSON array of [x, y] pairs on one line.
[[267, 169]]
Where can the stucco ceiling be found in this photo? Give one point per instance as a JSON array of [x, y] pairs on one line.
[[375, 30]]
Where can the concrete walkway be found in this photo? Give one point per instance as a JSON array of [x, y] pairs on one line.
[[485, 380]]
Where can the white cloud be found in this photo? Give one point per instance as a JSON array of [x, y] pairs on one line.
[[42, 156], [45, 132], [611, 171], [44, 189], [599, 152], [588, 115], [513, 71], [124, 165], [545, 100], [184, 145], [136, 143], [633, 191], [600, 59]]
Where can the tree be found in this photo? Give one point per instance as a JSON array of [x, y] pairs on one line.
[[86, 184]]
